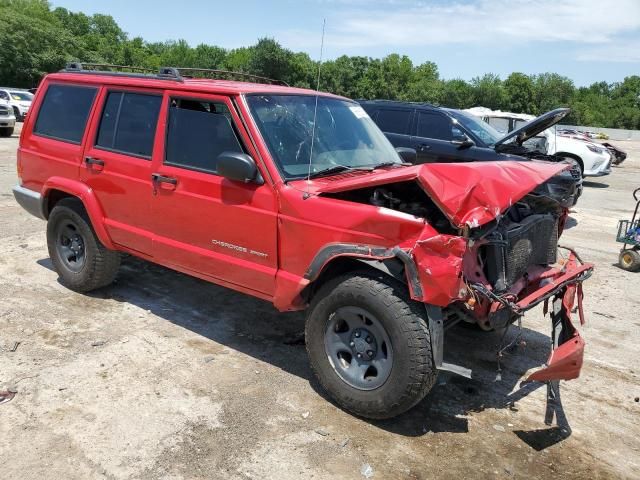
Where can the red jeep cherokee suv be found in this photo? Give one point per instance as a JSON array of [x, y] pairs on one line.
[[296, 197]]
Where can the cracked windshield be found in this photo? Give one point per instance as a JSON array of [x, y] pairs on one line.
[[345, 137]]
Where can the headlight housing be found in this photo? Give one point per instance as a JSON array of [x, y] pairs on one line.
[[594, 148]]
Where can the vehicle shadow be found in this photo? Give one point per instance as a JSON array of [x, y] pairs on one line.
[[592, 184], [255, 328], [455, 396], [570, 223]]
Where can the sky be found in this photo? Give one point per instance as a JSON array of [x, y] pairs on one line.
[[585, 40]]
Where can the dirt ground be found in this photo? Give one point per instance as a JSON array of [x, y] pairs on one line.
[[163, 376]]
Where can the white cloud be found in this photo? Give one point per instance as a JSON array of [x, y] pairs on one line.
[[502, 22], [619, 52]]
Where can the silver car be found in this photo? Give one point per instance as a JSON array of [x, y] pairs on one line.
[[7, 119]]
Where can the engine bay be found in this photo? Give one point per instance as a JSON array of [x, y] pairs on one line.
[[405, 197]]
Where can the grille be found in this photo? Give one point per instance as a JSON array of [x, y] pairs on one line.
[[576, 172], [513, 250], [4, 111]]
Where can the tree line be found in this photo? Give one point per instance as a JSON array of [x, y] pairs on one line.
[[36, 39]]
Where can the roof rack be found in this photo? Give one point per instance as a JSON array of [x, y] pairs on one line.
[[166, 73], [382, 100], [228, 75]]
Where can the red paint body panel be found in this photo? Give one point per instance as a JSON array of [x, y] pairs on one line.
[[439, 262], [88, 197], [565, 362]]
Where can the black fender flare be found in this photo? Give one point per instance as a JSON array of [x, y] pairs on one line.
[[371, 255]]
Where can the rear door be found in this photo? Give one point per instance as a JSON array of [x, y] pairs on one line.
[[395, 123], [117, 163], [202, 222]]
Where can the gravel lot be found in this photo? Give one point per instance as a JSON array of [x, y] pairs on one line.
[[166, 376]]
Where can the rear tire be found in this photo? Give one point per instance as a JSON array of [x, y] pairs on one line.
[[629, 260], [82, 262], [372, 316], [6, 132]]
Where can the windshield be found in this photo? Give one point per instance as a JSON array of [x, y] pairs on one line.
[[23, 96], [345, 136], [482, 130]]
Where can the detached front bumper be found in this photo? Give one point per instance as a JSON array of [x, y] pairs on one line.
[[563, 286]]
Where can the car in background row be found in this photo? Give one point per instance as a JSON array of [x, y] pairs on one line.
[[594, 159], [588, 134], [503, 122], [7, 119], [446, 135], [19, 100], [617, 156]]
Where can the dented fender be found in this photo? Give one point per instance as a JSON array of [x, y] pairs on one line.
[[439, 264], [433, 266]]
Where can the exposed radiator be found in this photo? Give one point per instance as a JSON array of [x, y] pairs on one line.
[[514, 248]]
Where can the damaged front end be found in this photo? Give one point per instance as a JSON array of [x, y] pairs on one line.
[[508, 265], [488, 249]]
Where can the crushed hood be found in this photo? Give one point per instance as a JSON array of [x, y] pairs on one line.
[[473, 194], [469, 194]]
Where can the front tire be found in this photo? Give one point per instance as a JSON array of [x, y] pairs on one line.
[[6, 131], [369, 345], [82, 262]]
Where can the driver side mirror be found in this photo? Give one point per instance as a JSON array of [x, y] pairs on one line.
[[462, 141], [238, 167]]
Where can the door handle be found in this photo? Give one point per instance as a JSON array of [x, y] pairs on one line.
[[166, 183], [424, 147], [94, 163]]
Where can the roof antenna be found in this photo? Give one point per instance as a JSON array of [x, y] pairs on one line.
[[315, 113]]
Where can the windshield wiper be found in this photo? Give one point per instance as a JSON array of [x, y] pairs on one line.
[[391, 164], [338, 169]]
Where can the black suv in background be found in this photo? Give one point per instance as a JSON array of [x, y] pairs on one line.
[[447, 135]]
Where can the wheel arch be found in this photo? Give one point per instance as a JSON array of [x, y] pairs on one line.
[[338, 259], [574, 157], [57, 188]]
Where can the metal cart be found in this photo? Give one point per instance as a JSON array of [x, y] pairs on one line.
[[629, 236]]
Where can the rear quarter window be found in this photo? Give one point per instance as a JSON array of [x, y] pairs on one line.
[[393, 121], [64, 112]]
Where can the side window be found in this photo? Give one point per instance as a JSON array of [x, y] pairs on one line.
[[197, 132], [64, 112], [500, 124], [128, 123], [434, 125], [394, 121]]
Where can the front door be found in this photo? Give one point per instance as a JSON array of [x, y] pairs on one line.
[[435, 138], [202, 222]]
